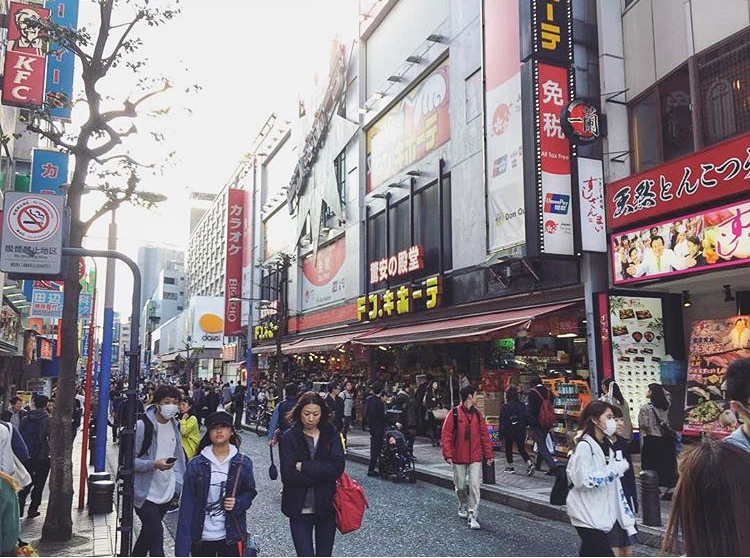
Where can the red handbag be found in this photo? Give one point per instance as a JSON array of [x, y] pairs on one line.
[[350, 503]]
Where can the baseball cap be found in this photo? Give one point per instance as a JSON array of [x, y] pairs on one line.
[[217, 418]]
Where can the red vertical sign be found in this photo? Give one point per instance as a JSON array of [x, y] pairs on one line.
[[604, 335], [26, 57], [233, 269]]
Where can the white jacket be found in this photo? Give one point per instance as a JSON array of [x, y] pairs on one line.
[[596, 499]]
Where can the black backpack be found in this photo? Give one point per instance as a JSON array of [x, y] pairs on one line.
[[562, 485]]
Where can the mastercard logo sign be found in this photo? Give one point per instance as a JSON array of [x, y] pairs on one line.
[[211, 323]]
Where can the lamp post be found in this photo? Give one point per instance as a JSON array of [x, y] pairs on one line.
[[87, 399]]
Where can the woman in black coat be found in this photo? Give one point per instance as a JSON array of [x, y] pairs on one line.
[[312, 459]]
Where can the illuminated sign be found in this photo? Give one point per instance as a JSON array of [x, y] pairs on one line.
[[706, 176], [264, 331], [580, 121], [711, 239], [406, 261], [401, 300]]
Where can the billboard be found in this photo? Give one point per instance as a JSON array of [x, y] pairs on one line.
[[233, 261], [207, 321], [504, 142], [411, 129], [324, 276], [25, 57], [710, 239], [699, 178]]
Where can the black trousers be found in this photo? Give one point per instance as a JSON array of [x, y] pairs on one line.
[[214, 548], [39, 471], [594, 542], [376, 446], [302, 528], [515, 436], [150, 541]]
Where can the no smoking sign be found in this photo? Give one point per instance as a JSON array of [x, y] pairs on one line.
[[33, 219]]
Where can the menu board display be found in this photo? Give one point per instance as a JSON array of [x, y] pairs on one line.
[[637, 333], [714, 345]]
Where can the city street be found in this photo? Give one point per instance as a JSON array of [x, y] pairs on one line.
[[406, 520]]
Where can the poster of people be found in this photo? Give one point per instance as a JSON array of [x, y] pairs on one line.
[[714, 345], [638, 346], [698, 242]]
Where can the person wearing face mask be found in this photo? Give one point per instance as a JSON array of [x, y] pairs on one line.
[[594, 503], [738, 393], [158, 469]]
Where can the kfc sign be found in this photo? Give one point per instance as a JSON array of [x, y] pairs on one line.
[[406, 261], [26, 56], [707, 176]]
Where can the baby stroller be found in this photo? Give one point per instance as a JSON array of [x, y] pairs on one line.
[[395, 461]]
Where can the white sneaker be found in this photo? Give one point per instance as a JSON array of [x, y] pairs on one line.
[[463, 513], [473, 523]]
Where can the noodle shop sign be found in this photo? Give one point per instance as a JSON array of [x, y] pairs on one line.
[[707, 176]]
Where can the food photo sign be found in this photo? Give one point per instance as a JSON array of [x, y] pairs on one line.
[[714, 345], [638, 348]]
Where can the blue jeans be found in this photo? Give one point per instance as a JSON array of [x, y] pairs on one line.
[[540, 437], [302, 534]]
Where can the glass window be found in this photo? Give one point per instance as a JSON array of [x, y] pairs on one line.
[[376, 238], [677, 119], [447, 230], [644, 127], [427, 225], [399, 229], [724, 77], [169, 280]]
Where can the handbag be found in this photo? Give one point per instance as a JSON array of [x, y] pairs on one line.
[[273, 472], [666, 430], [247, 545], [488, 472], [440, 414], [350, 503]]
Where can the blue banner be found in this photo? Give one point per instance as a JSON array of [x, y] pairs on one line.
[[49, 171], [61, 61], [84, 306], [46, 304]]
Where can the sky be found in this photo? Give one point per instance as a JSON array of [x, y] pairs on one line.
[[250, 58]]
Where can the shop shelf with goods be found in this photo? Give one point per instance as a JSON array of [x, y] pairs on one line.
[[570, 396]]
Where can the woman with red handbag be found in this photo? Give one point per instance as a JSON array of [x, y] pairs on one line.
[[312, 459]]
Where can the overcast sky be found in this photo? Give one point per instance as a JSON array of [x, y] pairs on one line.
[[251, 58]]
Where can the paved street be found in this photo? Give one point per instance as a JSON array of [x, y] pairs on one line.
[[407, 520]]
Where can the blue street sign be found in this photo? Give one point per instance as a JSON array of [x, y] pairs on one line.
[[49, 171], [46, 304], [61, 61], [84, 306]]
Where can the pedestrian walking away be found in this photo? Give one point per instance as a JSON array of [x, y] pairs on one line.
[[35, 432], [159, 467], [513, 430], [466, 442], [375, 417], [594, 503], [537, 395], [312, 459], [218, 489], [280, 417]]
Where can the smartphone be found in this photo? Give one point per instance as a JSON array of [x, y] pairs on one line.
[[171, 460]]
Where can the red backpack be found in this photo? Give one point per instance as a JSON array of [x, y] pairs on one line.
[[350, 503], [547, 418]]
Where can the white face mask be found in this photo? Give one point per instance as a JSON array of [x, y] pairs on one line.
[[611, 427], [168, 411]]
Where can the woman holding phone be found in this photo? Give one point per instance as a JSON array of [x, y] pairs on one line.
[[219, 488]]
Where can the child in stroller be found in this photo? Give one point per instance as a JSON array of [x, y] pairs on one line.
[[395, 461]]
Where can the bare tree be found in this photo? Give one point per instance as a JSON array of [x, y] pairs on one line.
[[102, 161]]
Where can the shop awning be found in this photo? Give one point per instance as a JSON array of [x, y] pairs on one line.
[[457, 328], [322, 344], [271, 348]]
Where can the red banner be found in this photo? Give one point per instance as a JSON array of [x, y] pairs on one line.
[[233, 269], [25, 68], [706, 176]]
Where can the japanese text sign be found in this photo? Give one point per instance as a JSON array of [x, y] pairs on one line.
[[406, 261], [706, 176], [25, 57], [401, 300], [411, 129], [591, 203], [702, 241], [46, 304], [546, 30], [49, 171], [233, 270], [61, 61]]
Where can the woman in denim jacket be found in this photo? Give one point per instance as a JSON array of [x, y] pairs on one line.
[[312, 458], [212, 519]]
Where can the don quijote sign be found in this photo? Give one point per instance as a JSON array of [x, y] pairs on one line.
[[26, 56], [396, 265]]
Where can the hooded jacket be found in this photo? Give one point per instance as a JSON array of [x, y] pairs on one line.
[[144, 466], [35, 431], [192, 513], [471, 442]]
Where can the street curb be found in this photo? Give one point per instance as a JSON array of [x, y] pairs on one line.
[[648, 536]]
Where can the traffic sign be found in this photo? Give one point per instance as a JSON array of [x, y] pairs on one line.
[[32, 237]]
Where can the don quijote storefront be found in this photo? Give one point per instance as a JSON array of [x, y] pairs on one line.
[[679, 311]]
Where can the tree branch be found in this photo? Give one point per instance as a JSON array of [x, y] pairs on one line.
[[129, 106], [109, 60]]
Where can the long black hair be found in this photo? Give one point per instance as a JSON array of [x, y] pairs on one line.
[[309, 398], [591, 412], [658, 397], [234, 439], [616, 393]]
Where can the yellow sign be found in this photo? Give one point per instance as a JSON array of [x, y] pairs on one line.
[[401, 300], [262, 332]]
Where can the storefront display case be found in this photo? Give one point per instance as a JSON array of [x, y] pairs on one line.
[[570, 397]]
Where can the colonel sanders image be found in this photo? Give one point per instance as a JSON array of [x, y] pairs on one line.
[[31, 37]]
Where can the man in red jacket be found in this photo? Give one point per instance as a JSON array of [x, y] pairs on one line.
[[466, 442]]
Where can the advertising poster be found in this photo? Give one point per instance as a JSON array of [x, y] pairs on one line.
[[61, 61], [504, 148], [324, 277], [714, 345], [25, 57], [233, 261], [702, 241], [638, 347]]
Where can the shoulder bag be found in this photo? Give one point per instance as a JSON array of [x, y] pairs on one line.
[[666, 430], [247, 545]]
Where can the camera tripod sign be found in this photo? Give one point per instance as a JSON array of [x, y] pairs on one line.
[[32, 233]]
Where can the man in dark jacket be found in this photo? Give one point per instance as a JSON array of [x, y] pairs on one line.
[[279, 422], [35, 431], [375, 416], [536, 394], [238, 405]]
